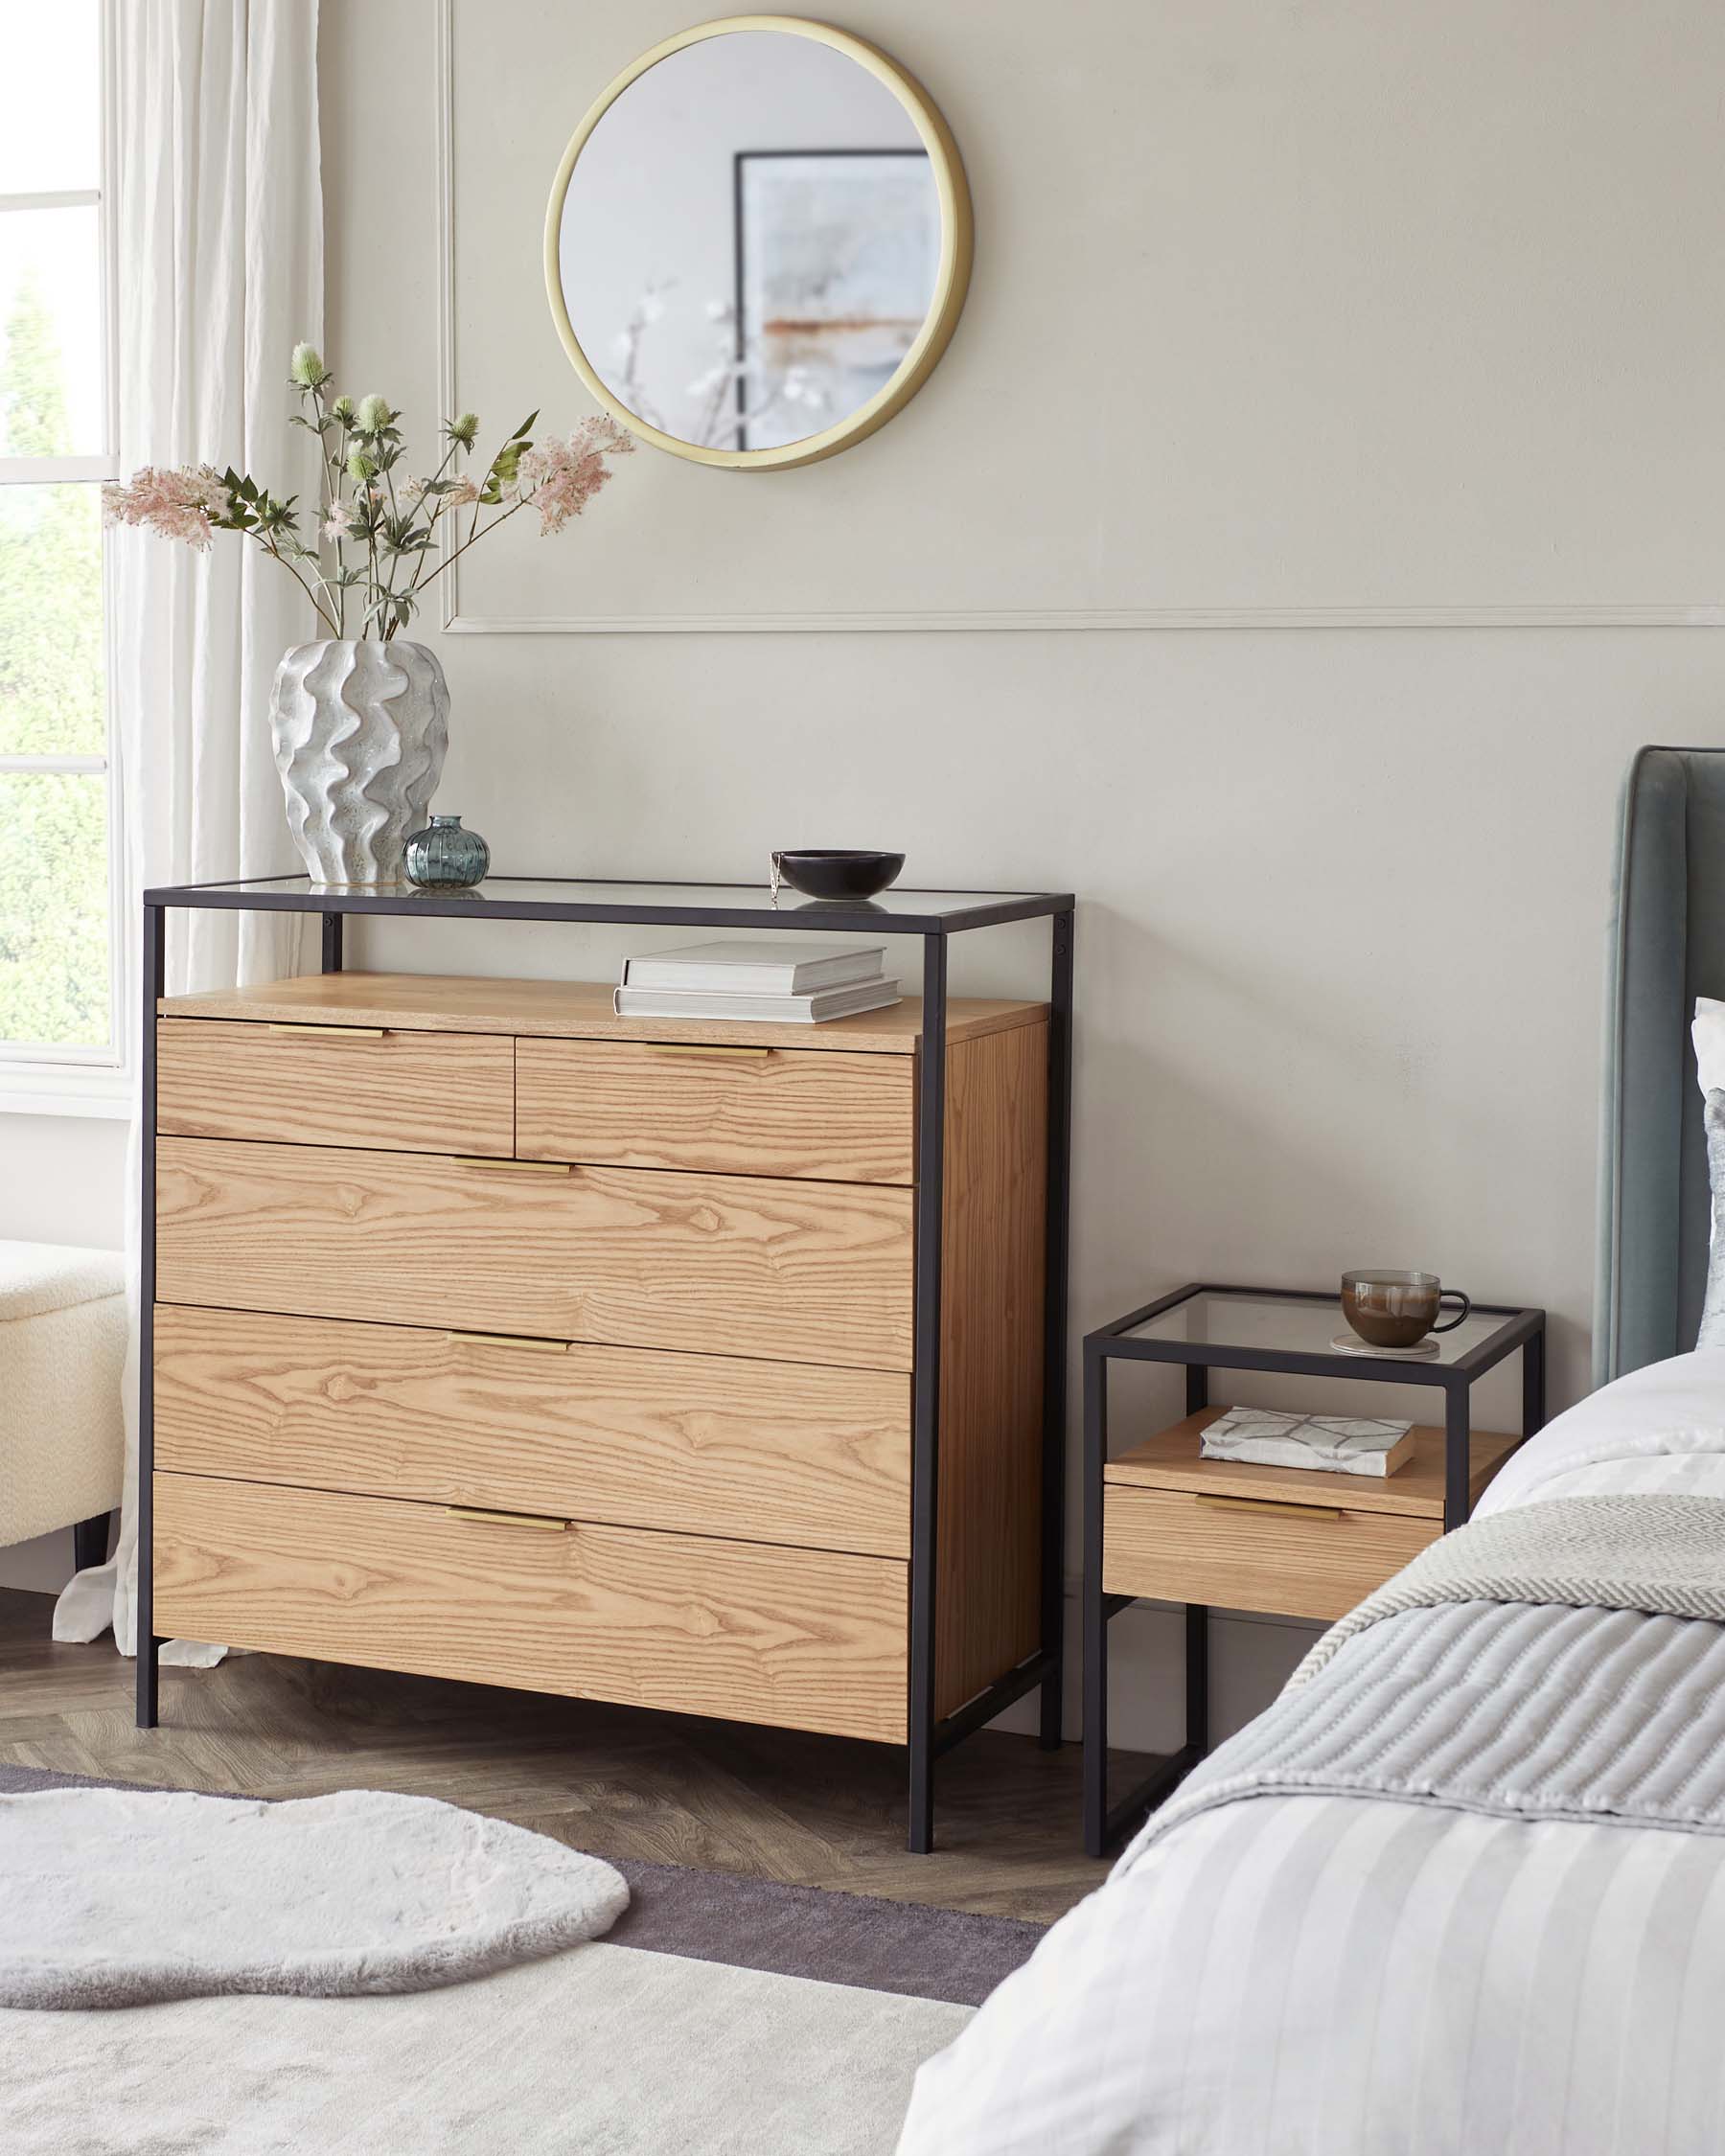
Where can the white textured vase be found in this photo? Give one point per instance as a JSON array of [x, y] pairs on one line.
[[361, 730]]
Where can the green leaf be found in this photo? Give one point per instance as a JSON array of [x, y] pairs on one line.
[[526, 426]]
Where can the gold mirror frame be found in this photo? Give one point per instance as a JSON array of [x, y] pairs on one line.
[[951, 281]]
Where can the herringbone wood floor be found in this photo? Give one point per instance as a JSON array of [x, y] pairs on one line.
[[820, 1811]]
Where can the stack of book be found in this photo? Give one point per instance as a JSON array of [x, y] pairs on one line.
[[801, 984]]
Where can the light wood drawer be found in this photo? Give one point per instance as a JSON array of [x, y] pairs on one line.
[[321, 1085], [766, 1452], [722, 1265], [1304, 1562], [725, 1110], [798, 1639]]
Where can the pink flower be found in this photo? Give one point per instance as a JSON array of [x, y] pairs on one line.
[[174, 502], [560, 477], [461, 494], [339, 522]]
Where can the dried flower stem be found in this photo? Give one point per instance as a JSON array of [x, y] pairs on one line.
[[359, 447]]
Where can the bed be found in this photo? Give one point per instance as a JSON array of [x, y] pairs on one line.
[[1461, 1892]]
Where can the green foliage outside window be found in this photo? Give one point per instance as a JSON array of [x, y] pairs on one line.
[[54, 896]]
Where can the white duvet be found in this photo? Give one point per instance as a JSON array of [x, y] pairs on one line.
[[1340, 1976]]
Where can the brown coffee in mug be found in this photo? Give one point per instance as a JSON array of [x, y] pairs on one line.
[[1398, 1309]]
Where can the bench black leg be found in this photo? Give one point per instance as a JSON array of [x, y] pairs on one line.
[[90, 1541]]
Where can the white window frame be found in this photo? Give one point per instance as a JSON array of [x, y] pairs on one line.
[[37, 1078]]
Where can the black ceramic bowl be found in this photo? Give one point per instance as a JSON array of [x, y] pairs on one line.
[[835, 872]]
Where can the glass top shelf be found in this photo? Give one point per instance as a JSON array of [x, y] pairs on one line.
[[1232, 1317], [893, 912]]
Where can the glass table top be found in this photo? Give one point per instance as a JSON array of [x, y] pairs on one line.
[[746, 904], [1228, 1317]]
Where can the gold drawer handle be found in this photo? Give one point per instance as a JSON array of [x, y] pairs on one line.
[[508, 1339], [697, 1048], [342, 1032], [506, 1166], [1269, 1505], [488, 1519]]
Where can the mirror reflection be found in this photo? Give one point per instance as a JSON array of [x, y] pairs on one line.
[[750, 241]]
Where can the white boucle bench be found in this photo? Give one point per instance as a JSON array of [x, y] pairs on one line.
[[62, 1356]]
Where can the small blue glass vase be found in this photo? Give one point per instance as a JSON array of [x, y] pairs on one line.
[[445, 857]]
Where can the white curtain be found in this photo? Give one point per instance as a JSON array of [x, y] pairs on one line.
[[218, 227]]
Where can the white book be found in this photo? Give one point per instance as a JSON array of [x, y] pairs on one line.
[[781, 965], [1342, 1444], [791, 1010]]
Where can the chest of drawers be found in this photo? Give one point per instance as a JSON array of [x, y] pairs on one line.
[[497, 1337]]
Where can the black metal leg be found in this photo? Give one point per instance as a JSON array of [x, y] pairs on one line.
[[90, 1541], [332, 943], [1197, 1678], [1054, 1337], [925, 1476], [1458, 1455], [1533, 1390], [155, 966], [1197, 1380], [1095, 1607], [1105, 1822]]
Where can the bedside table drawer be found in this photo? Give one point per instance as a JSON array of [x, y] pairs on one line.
[[718, 1111], [335, 1085], [1237, 1553]]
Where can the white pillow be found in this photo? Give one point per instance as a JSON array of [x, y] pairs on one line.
[[1708, 1033], [1712, 1308]]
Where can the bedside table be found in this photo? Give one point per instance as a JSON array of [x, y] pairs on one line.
[[1161, 1521]]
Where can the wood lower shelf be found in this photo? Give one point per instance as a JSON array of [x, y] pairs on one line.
[[1171, 1461]]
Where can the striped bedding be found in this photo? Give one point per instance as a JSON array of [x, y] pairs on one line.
[[1356, 1973]]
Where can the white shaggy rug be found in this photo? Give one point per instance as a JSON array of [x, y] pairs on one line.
[[112, 1897]]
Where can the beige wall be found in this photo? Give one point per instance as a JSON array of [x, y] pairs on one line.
[[1297, 320], [1304, 316]]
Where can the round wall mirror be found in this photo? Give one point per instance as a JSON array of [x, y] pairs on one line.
[[758, 242]]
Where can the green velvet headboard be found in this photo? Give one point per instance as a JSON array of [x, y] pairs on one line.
[[1666, 947]]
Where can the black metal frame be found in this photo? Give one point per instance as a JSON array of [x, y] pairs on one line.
[[1523, 1329], [928, 1736]]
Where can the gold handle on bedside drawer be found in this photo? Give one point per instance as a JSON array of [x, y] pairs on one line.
[[342, 1032], [1269, 1505], [508, 1166], [488, 1519], [698, 1048], [508, 1339]]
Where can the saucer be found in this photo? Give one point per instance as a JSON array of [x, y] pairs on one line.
[[1421, 1351]]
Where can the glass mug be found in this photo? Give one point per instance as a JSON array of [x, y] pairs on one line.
[[1398, 1308]]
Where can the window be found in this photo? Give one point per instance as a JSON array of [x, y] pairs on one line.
[[59, 1028]]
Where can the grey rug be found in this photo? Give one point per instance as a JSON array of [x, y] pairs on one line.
[[600, 2052], [894, 1946], [607, 2050]]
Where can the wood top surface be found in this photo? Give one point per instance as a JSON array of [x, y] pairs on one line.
[[572, 1009], [1171, 1461]]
